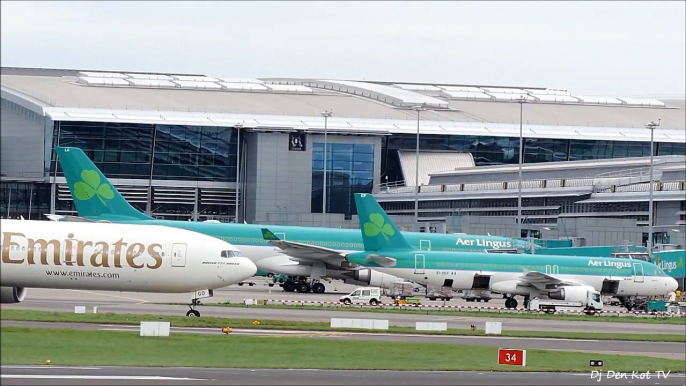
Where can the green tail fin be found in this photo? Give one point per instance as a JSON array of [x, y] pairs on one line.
[[378, 231], [93, 194]]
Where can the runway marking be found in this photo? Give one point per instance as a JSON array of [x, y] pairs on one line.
[[140, 301], [50, 367], [108, 377]]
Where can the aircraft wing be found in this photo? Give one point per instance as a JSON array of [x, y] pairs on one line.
[[383, 261], [304, 252], [59, 217], [539, 279]]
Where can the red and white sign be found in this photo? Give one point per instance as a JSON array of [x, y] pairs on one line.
[[511, 357]]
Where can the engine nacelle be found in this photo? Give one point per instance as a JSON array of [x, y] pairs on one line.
[[283, 265], [370, 277], [510, 287], [571, 293], [12, 294]]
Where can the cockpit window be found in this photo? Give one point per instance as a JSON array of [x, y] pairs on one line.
[[228, 254]]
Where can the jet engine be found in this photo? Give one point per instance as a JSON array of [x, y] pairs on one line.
[[370, 277], [570, 293], [12, 294]]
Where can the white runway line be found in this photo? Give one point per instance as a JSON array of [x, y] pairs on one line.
[[102, 377]]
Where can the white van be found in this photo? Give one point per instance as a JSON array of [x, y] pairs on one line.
[[368, 295]]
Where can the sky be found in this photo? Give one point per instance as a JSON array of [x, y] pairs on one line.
[[592, 48]]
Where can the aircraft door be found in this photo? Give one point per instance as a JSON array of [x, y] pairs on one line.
[[425, 245], [179, 255], [638, 273], [419, 263]]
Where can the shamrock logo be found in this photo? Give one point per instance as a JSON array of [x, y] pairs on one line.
[[91, 186], [377, 225], [680, 264]]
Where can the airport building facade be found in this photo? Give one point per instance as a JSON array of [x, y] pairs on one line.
[[194, 147]]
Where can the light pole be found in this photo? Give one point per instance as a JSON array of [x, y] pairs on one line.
[[521, 161], [651, 126], [418, 109], [326, 114]]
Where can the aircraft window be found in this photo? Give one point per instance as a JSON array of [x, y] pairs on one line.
[[232, 254]]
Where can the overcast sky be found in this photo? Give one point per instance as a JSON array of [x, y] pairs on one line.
[[613, 48]]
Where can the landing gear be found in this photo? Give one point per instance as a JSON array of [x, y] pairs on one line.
[[300, 284], [192, 306], [511, 303], [318, 288], [288, 286], [526, 302], [304, 287]]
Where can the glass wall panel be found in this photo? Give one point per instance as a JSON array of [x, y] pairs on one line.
[[350, 169], [125, 150], [27, 199]]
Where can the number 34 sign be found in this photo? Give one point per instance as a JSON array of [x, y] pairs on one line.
[[511, 357]]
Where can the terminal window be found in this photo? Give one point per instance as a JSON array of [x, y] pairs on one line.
[[350, 170]]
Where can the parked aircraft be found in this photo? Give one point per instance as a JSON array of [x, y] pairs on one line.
[[115, 257], [85, 181], [565, 278]]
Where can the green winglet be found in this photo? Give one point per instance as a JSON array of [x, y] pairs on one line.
[[269, 235]]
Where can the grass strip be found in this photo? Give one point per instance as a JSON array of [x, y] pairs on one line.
[[32, 346], [217, 322]]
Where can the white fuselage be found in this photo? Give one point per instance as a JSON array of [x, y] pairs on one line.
[[504, 282], [116, 257]]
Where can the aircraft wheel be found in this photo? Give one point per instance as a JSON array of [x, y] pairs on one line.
[[304, 288], [318, 288], [240, 284], [513, 303], [195, 313], [289, 286]]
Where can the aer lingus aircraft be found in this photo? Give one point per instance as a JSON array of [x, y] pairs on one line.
[[567, 278], [96, 199], [115, 257]]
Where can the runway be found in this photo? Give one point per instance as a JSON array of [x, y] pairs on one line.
[[669, 350], [117, 302], [48, 375]]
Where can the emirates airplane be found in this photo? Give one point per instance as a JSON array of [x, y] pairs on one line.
[[115, 257]]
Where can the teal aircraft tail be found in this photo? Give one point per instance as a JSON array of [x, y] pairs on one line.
[[93, 194], [378, 231]]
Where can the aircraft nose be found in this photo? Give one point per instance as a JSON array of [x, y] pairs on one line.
[[246, 268], [672, 284]]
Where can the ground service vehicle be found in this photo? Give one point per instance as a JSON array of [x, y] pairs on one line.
[[366, 295], [476, 296], [584, 297], [439, 292]]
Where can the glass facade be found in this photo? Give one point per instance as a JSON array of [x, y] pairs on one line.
[[27, 199], [125, 150], [350, 169], [488, 150]]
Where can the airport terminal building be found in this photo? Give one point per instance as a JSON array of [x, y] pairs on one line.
[[197, 147]]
